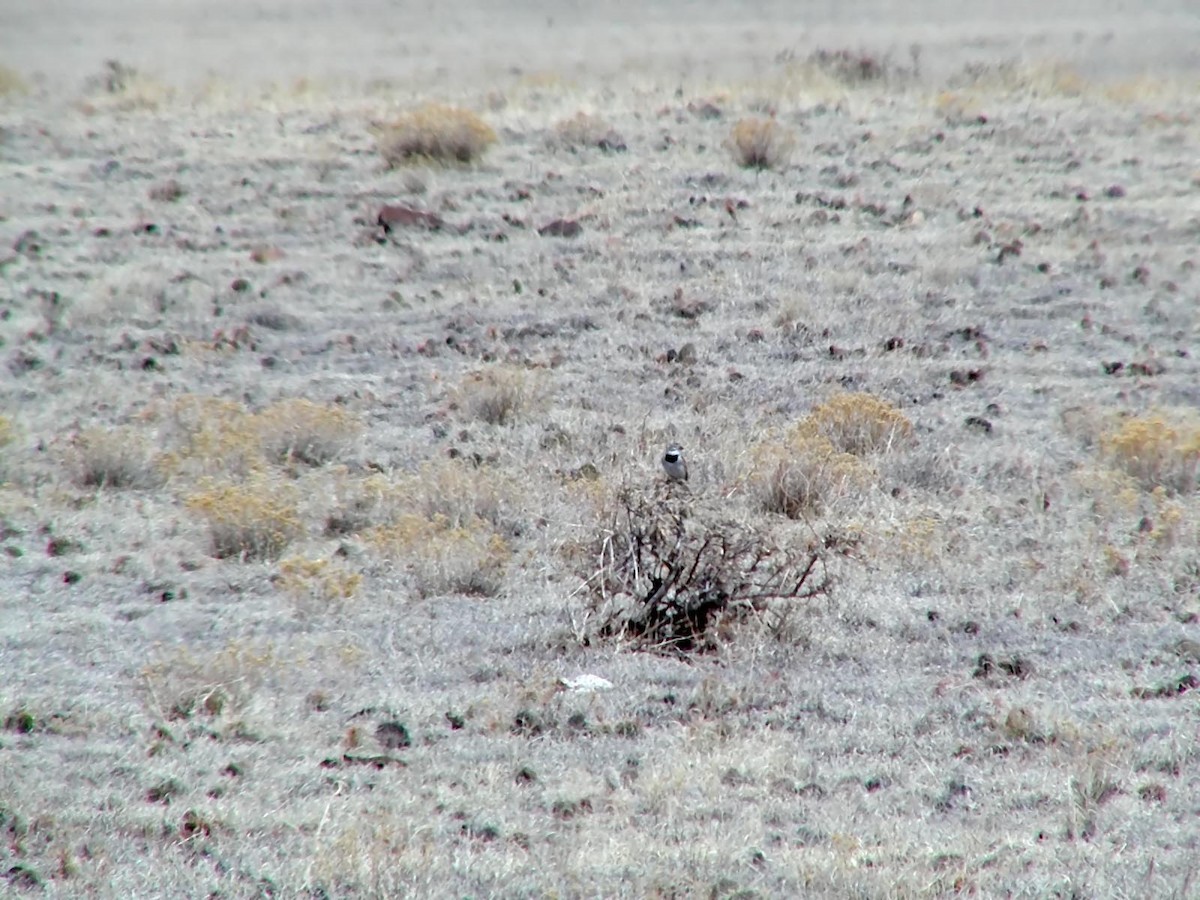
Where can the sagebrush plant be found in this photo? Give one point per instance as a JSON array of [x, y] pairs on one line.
[[1161, 449], [826, 454], [498, 395], [211, 436], [311, 433], [437, 133], [461, 494], [318, 585], [860, 424], [759, 143], [123, 457], [256, 519], [802, 473], [442, 558], [8, 437], [361, 503]]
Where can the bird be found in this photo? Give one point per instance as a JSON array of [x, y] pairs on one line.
[[674, 464]]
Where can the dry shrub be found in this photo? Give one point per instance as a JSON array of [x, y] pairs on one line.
[[761, 143], [497, 395], [860, 424], [115, 458], [255, 520], [821, 458], [803, 473], [854, 67], [584, 130], [317, 585], [445, 559], [669, 575], [1015, 76], [433, 132], [461, 494], [125, 89], [211, 436], [8, 437], [307, 432], [1157, 451], [182, 685]]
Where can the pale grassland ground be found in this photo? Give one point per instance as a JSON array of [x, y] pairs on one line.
[[273, 480]]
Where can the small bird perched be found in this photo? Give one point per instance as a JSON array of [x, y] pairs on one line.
[[674, 464]]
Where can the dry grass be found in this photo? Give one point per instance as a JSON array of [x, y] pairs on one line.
[[1011, 641], [442, 558], [759, 143], [318, 585], [123, 457], [435, 133], [823, 457], [306, 432], [1161, 450], [257, 519], [498, 395]]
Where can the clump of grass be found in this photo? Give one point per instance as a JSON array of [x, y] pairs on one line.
[[211, 436], [823, 456], [437, 133], [8, 437], [445, 559], [462, 494], [803, 473], [115, 458], [761, 143], [255, 520], [497, 395], [1157, 451], [860, 424], [318, 585], [361, 503], [298, 429], [585, 130], [182, 685], [852, 67]]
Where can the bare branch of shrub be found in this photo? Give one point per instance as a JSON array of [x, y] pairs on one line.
[[669, 581]]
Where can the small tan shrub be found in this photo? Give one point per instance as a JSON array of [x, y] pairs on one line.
[[498, 395], [443, 559], [8, 437], [318, 585], [584, 130], [1159, 450], [433, 132], [761, 143], [307, 432], [462, 494], [803, 473], [860, 424], [361, 503], [115, 458], [211, 436], [126, 89], [255, 520]]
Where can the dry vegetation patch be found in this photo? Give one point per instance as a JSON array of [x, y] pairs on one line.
[[826, 455], [124, 457], [1160, 450], [759, 143], [435, 133], [671, 576], [442, 558], [256, 519], [497, 395]]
